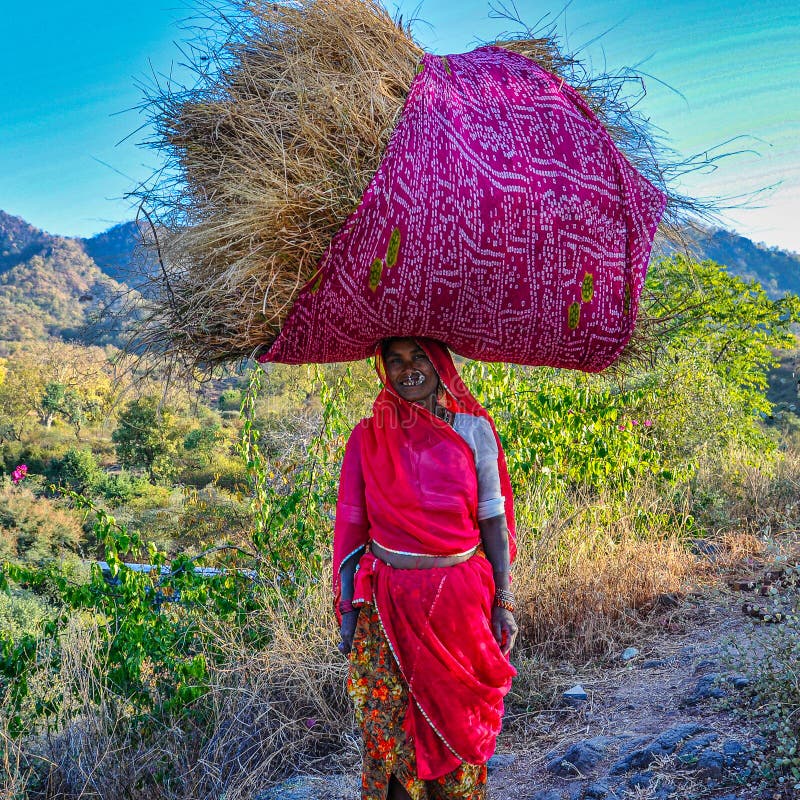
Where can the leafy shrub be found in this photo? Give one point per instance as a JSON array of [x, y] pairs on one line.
[[22, 613], [36, 530], [77, 470], [122, 488], [230, 400]]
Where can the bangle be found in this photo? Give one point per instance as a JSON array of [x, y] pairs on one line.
[[504, 598], [346, 606]]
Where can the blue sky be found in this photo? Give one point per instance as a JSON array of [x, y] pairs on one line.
[[720, 72]]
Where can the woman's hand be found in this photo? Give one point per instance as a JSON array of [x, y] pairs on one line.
[[347, 631], [504, 628]]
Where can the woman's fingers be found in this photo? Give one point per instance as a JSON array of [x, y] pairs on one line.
[[497, 631], [509, 632], [504, 629]]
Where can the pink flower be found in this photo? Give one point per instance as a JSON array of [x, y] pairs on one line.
[[648, 423], [634, 422], [311, 722], [19, 474], [621, 427]]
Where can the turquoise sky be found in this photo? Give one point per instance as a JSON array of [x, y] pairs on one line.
[[721, 72]]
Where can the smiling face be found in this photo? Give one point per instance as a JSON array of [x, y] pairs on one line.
[[410, 372]]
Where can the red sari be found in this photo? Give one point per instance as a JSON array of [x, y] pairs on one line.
[[409, 483]]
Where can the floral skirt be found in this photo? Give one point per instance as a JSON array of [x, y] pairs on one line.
[[380, 697]]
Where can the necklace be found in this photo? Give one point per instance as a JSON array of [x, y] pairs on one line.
[[444, 414]]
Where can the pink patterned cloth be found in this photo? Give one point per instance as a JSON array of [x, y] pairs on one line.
[[502, 220]]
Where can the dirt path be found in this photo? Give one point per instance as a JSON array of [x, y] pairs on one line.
[[652, 728]]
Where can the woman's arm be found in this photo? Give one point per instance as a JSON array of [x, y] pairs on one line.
[[349, 619], [351, 533], [494, 536]]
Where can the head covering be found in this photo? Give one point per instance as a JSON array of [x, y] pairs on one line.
[[502, 218]]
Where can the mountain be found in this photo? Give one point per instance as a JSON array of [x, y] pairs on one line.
[[50, 286], [119, 253], [19, 240], [778, 271]]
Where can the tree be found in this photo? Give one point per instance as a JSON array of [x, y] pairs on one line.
[[202, 441], [146, 437], [15, 406], [51, 402]]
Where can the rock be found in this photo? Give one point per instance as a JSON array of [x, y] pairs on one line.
[[641, 780], [690, 752], [639, 757], [598, 790], [671, 738], [500, 761], [580, 757], [576, 694], [629, 653], [667, 600], [702, 547], [706, 663], [705, 689], [733, 751], [739, 681], [711, 763], [656, 662]]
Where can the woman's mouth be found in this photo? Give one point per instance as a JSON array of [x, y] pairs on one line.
[[414, 379]]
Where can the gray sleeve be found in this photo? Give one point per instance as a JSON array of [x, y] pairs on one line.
[[478, 434]]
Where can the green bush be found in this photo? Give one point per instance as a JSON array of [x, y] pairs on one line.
[[230, 400], [77, 470], [22, 613], [36, 530], [121, 488]]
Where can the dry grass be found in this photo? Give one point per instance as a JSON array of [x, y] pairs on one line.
[[755, 493], [583, 583], [268, 713], [272, 149]]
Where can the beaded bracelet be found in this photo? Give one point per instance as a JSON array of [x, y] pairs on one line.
[[346, 606], [504, 598]]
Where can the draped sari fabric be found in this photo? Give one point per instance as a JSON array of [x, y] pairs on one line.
[[409, 484]]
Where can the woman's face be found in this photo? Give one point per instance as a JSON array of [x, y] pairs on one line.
[[410, 372]]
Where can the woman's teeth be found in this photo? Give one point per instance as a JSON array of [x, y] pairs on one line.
[[415, 379]]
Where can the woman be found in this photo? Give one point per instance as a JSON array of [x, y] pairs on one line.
[[423, 544]]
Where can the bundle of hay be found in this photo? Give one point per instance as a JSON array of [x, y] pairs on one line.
[[270, 152]]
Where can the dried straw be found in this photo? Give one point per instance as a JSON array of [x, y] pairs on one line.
[[271, 150]]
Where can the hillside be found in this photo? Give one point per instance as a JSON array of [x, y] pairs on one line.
[[778, 271], [49, 286], [119, 254], [19, 240]]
